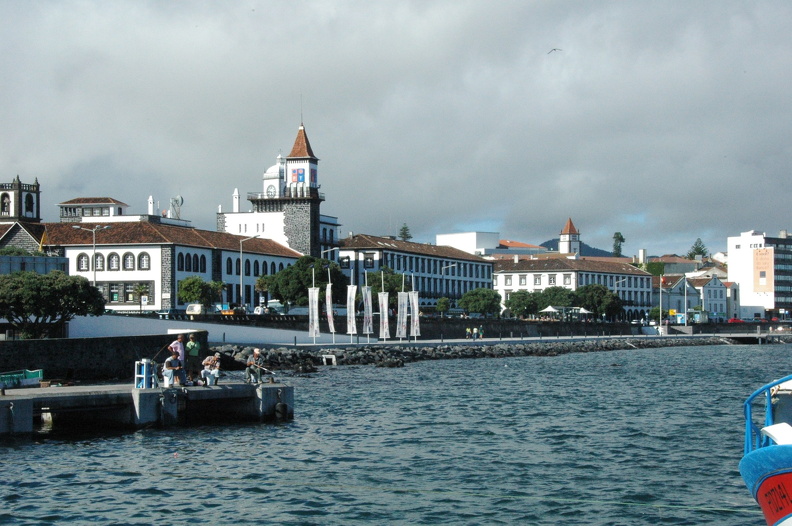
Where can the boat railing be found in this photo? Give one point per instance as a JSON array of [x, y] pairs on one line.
[[754, 439]]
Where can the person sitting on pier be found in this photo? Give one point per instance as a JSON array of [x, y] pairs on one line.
[[174, 368], [255, 365], [211, 371]]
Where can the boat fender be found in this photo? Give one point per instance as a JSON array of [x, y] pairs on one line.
[[281, 411]]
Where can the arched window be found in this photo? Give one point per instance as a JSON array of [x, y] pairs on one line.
[[114, 262], [247, 267], [129, 261], [203, 263], [28, 204], [180, 262], [272, 268], [99, 263], [255, 268], [144, 261], [188, 263], [82, 263], [195, 262], [280, 267], [229, 267], [264, 267]]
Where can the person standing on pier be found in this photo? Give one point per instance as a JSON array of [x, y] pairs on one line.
[[178, 346], [193, 349], [174, 368], [255, 365]]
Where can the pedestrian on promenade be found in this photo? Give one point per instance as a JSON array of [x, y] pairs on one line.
[[481, 332], [475, 333], [467, 333]]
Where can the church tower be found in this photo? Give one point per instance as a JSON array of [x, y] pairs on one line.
[[291, 188], [20, 202], [569, 242]]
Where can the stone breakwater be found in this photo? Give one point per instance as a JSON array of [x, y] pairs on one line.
[[306, 359]]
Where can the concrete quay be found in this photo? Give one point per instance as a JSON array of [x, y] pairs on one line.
[[103, 407]]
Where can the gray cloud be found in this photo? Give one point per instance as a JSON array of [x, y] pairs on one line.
[[664, 121]]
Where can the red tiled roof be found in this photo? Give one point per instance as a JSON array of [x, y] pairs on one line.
[[147, 233], [302, 148], [506, 243], [367, 242], [565, 264], [569, 228], [93, 201]]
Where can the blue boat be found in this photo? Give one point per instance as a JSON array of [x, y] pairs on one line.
[[766, 466]]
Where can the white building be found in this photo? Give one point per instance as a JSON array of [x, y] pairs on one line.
[[435, 271], [678, 294], [287, 210], [762, 267], [632, 285]]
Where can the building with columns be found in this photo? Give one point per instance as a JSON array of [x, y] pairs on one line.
[[287, 210]]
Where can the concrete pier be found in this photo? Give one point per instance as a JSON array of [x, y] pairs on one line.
[[125, 407]]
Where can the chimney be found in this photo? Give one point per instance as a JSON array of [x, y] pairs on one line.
[[783, 234], [516, 258]]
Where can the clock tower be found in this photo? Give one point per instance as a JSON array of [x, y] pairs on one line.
[[569, 242]]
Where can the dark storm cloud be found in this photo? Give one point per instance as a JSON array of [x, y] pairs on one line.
[[664, 121]]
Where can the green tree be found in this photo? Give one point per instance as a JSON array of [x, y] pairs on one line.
[[14, 251], [523, 303], [404, 233], [618, 239], [599, 300], [140, 290], [485, 301], [290, 285], [443, 305], [195, 290], [39, 305], [555, 296], [654, 314], [655, 268], [698, 249]]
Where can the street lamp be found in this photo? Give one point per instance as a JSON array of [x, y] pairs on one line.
[[442, 277], [242, 269], [93, 232], [326, 251]]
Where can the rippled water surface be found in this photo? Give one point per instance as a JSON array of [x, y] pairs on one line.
[[613, 438]]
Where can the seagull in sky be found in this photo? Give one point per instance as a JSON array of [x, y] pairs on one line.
[[554, 49]]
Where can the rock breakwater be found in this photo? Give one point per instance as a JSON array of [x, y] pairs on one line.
[[303, 359]]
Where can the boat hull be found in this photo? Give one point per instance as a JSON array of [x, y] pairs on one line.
[[768, 474]]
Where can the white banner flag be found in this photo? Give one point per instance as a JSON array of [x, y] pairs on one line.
[[383, 309], [401, 315], [351, 326], [329, 303], [415, 326], [313, 312], [367, 314]]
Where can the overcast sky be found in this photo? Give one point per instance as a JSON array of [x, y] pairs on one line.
[[665, 121]]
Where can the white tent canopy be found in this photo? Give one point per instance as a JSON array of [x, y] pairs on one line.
[[549, 309]]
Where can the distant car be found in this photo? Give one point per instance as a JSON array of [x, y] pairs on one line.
[[735, 320]]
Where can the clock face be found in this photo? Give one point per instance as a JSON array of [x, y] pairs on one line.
[[270, 191]]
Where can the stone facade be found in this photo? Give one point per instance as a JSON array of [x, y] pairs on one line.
[[302, 226]]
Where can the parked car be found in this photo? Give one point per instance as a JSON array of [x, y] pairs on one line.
[[736, 320]]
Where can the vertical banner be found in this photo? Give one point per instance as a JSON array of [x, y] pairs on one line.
[[367, 315], [329, 303], [401, 315], [351, 326], [313, 312], [383, 310], [415, 325]]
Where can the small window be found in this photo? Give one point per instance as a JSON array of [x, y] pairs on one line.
[[144, 261], [203, 263], [180, 262], [82, 263], [538, 280], [114, 261], [551, 280], [188, 263], [368, 261], [508, 281], [99, 263], [344, 262], [129, 261], [229, 267]]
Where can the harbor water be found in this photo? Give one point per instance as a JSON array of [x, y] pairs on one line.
[[630, 437]]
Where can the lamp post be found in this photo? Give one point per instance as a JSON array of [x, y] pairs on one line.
[[242, 270], [442, 277], [93, 232], [321, 254]]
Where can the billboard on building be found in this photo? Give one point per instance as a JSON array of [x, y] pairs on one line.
[[764, 278]]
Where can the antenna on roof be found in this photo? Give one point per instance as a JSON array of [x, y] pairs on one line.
[[176, 203]]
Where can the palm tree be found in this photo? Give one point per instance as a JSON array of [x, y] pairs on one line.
[[141, 289]]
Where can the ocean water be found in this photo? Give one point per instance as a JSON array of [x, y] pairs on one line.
[[613, 438]]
